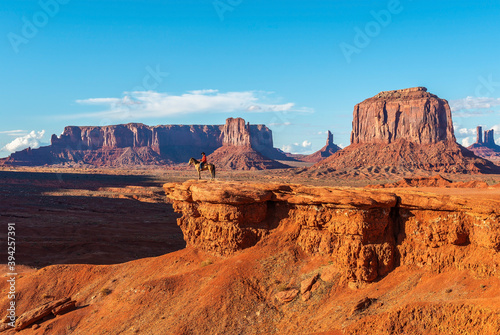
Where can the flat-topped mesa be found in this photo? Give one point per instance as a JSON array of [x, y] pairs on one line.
[[136, 135], [404, 91], [411, 114]]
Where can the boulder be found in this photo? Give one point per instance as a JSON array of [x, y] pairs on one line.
[[34, 315], [307, 284], [64, 308], [286, 296]]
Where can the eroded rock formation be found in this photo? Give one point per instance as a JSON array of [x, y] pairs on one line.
[[329, 149], [246, 147], [486, 149], [367, 233]]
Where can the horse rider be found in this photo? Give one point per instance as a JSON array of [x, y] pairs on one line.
[[203, 161]]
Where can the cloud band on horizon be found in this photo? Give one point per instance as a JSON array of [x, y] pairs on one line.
[[148, 104]]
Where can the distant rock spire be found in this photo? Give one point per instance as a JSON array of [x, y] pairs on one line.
[[489, 138], [329, 140], [479, 137]]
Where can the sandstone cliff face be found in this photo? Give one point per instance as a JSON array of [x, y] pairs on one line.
[[135, 135], [411, 114], [367, 233], [236, 132]]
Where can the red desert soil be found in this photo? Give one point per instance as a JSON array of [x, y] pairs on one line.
[[442, 276]]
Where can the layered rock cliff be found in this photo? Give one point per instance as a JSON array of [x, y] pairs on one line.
[[411, 114], [366, 233]]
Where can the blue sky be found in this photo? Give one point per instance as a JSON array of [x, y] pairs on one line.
[[297, 66]]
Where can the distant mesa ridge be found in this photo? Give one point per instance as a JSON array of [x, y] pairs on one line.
[[139, 144]]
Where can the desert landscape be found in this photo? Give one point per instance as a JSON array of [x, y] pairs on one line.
[[231, 167], [398, 233]]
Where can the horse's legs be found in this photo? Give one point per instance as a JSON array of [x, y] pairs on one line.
[[199, 174]]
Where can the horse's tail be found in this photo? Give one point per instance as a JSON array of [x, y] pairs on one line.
[[213, 172]]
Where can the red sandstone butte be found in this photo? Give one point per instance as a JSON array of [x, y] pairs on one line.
[[402, 131], [412, 114]]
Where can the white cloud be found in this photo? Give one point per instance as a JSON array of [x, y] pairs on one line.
[[496, 128], [474, 103], [275, 124], [461, 132], [203, 91], [145, 104], [298, 148], [30, 140], [14, 132], [467, 141]]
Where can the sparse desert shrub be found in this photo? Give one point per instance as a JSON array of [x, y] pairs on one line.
[[206, 262], [282, 287], [105, 291]]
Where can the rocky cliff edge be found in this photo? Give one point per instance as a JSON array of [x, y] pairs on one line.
[[366, 233]]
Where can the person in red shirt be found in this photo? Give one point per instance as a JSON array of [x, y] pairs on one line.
[[203, 160]]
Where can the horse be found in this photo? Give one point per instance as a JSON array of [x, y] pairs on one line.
[[207, 166]]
